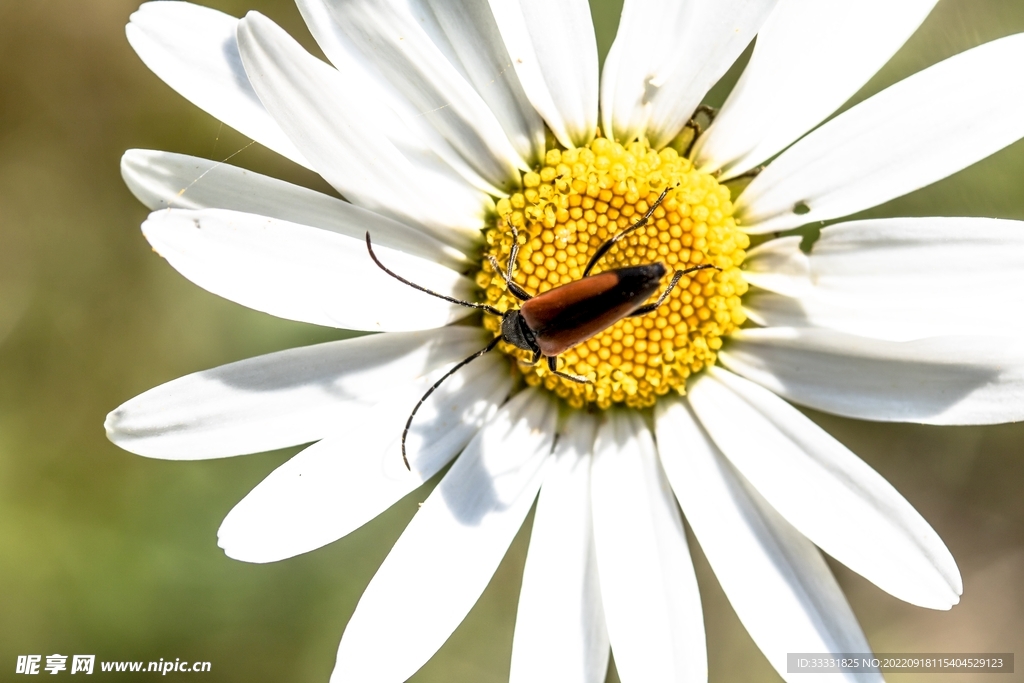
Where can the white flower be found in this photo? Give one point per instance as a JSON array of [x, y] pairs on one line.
[[433, 110]]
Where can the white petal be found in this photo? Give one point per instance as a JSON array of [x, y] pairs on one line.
[[473, 31], [344, 137], [301, 273], [897, 279], [825, 491], [337, 485], [940, 380], [554, 51], [560, 629], [905, 137], [165, 180], [810, 57], [647, 581], [448, 553], [280, 399], [779, 265], [407, 44], [665, 58], [193, 50], [775, 578], [410, 131]]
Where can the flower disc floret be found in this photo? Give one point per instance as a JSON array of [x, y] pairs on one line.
[[575, 202]]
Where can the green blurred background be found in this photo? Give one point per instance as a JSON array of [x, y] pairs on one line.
[[106, 553]]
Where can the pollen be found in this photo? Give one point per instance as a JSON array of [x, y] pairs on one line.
[[571, 205]]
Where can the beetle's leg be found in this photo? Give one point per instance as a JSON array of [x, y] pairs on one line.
[[532, 361], [606, 247], [644, 310], [513, 256], [553, 365], [517, 291], [458, 366]]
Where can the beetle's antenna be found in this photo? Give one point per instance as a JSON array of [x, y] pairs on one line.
[[458, 366], [484, 307], [604, 248]]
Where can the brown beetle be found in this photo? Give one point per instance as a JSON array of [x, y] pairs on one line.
[[555, 321]]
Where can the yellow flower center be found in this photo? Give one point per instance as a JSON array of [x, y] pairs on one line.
[[579, 199]]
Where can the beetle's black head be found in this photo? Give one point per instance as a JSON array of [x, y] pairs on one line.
[[515, 331]]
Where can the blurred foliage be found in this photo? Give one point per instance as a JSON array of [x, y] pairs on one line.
[[107, 553]]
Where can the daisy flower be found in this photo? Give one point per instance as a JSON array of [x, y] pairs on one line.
[[444, 122]]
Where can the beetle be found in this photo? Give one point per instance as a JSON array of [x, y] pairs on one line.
[[551, 323]]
